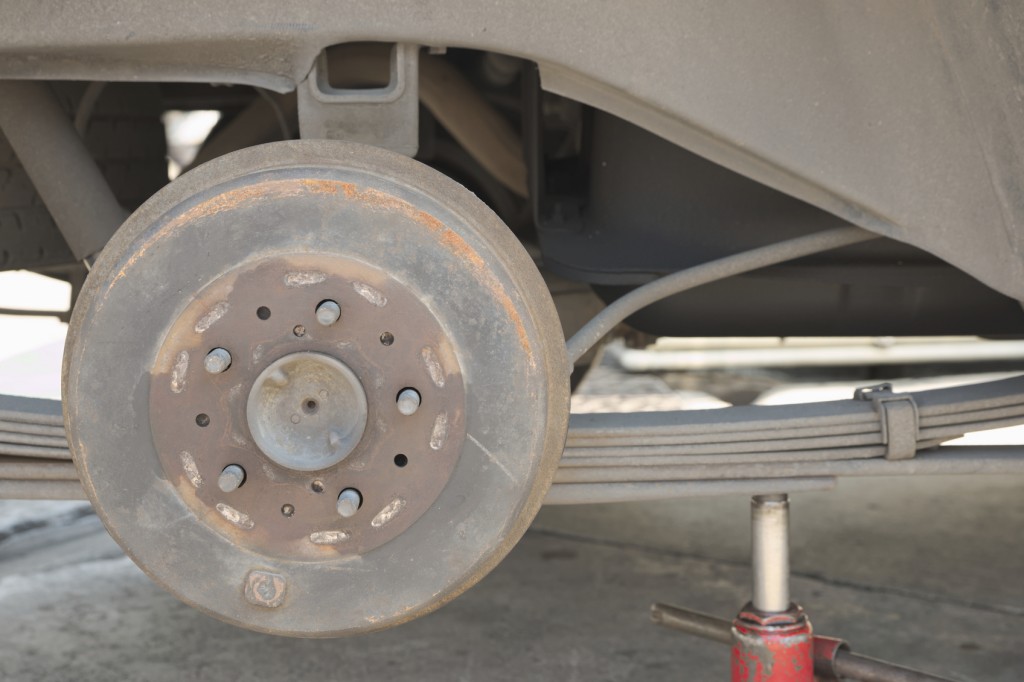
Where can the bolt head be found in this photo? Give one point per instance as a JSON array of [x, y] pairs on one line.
[[265, 589], [217, 360], [349, 502], [328, 312], [408, 401]]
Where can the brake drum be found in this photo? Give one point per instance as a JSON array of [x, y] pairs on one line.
[[315, 388]]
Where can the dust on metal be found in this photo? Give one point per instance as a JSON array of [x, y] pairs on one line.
[[218, 311], [328, 537], [388, 513], [188, 463], [235, 517], [179, 372], [370, 294], [433, 366]]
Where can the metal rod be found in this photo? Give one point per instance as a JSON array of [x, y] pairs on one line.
[[636, 360], [754, 259], [692, 623], [853, 666], [769, 519], [60, 166]]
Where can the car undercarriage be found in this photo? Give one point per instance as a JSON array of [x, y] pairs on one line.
[[318, 373]]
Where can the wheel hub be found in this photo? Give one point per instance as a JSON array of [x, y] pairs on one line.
[[306, 410]]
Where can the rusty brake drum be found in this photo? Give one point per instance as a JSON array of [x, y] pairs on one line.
[[315, 388]]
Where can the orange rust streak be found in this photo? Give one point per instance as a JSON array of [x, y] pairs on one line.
[[457, 245], [372, 198]]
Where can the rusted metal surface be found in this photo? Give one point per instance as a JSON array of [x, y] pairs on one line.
[[832, 658], [266, 589], [291, 287], [430, 263], [772, 647]]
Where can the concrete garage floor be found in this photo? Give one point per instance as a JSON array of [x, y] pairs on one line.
[[928, 572]]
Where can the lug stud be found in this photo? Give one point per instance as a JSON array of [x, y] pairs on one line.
[[231, 478], [349, 502], [328, 312], [408, 401], [217, 360]]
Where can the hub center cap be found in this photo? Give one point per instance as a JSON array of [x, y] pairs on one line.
[[306, 411]]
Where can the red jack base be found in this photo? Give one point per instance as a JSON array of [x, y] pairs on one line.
[[772, 647]]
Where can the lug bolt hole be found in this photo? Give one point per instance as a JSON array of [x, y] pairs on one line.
[[387, 338], [263, 312], [310, 406], [401, 461], [317, 486], [203, 419], [287, 510]]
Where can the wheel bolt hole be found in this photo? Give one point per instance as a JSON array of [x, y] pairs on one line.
[[287, 510], [263, 312], [310, 406], [387, 338], [401, 461], [203, 419], [317, 486]]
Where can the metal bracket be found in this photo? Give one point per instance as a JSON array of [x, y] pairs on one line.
[[898, 412], [385, 117]]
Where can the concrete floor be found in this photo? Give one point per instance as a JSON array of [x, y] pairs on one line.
[[928, 572]]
